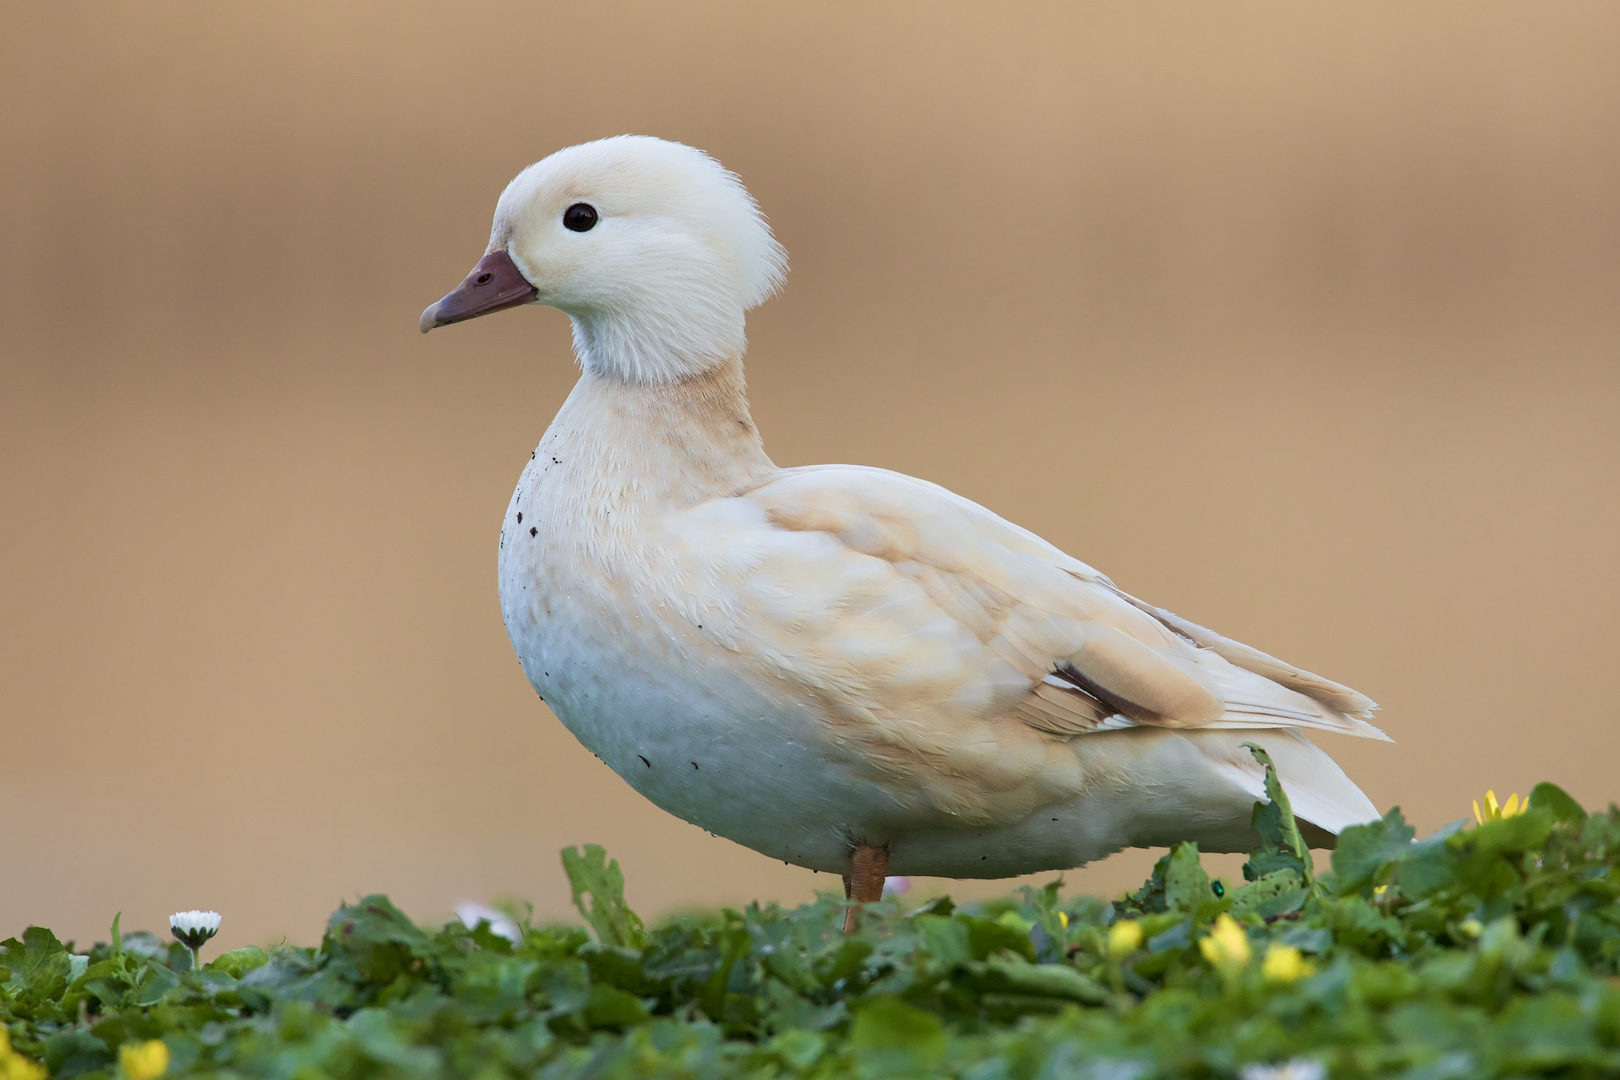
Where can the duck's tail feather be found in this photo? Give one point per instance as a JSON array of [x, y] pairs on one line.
[[1320, 792]]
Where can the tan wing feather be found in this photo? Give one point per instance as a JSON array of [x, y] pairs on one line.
[[1045, 613], [1313, 686], [957, 649]]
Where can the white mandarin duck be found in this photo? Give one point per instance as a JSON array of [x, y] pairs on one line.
[[838, 666]]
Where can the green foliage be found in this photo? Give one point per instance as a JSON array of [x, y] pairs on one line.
[[1281, 845], [1364, 850], [591, 874], [1491, 951]]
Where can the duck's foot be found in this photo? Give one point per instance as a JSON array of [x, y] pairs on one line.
[[868, 870]]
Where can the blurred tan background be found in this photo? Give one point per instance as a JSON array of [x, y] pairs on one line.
[[1301, 321]]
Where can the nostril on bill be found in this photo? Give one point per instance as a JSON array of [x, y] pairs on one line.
[[483, 279]]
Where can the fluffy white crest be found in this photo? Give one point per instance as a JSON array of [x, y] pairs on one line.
[[658, 286]]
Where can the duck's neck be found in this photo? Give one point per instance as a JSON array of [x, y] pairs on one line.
[[663, 445], [665, 336]]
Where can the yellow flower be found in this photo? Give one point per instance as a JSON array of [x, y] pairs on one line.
[[1227, 946], [1495, 811], [13, 1066], [1284, 965], [1063, 918], [1124, 938], [144, 1061]]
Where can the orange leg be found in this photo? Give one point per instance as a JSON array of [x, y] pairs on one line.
[[868, 870]]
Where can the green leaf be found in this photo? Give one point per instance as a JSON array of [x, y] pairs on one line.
[[1049, 931], [1522, 832], [591, 874], [1365, 850], [945, 939], [566, 986], [154, 984], [988, 936], [1359, 925], [384, 1041], [1553, 799], [39, 962], [1149, 899], [798, 1047], [1186, 885], [373, 941], [890, 1038], [610, 1007], [1277, 893], [70, 1053], [1281, 845], [1049, 980], [239, 962]]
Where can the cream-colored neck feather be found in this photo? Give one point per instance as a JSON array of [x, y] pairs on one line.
[[663, 445]]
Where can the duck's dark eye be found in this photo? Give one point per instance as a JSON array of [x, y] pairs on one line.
[[579, 217]]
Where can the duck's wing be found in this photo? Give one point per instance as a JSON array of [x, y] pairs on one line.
[[925, 621]]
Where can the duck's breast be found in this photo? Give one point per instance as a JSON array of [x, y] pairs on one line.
[[694, 732]]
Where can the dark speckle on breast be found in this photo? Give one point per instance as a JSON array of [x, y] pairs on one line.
[[520, 517], [534, 530]]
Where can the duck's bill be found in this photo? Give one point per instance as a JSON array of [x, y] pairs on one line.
[[495, 284]]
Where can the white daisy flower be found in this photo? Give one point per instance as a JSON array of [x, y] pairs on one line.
[[1298, 1069], [192, 929], [472, 913]]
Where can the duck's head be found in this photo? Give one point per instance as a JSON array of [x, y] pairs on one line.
[[653, 249]]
